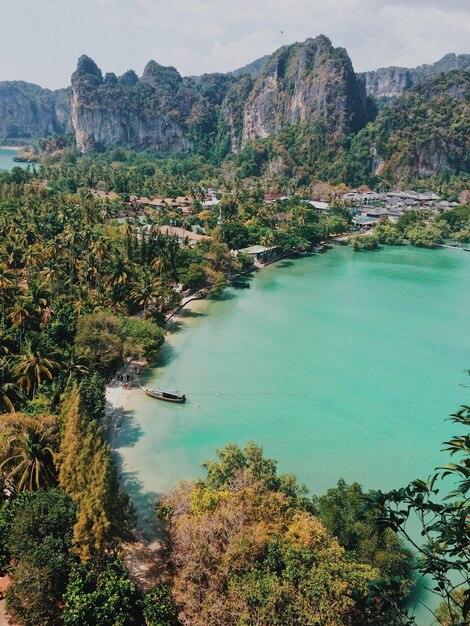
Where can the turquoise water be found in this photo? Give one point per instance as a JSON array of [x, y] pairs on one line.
[[6, 159], [342, 364]]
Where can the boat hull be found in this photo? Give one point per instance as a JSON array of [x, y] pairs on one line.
[[158, 396]]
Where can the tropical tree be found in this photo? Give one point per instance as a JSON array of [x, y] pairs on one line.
[[245, 550], [21, 315], [8, 387], [38, 538], [29, 464], [7, 287], [72, 363], [443, 522], [36, 363], [144, 290]]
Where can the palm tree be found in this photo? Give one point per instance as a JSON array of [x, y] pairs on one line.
[[72, 363], [8, 389], [40, 296], [159, 265], [19, 314], [29, 464], [268, 239], [144, 290], [7, 286], [34, 366], [117, 272], [73, 239], [49, 276]]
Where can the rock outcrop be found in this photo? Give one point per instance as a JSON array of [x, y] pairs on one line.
[[388, 82], [140, 114], [424, 132], [307, 89], [391, 82], [311, 82], [28, 111]]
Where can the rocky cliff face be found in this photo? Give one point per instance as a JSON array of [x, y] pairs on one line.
[[424, 132], [308, 83], [139, 114], [28, 112], [391, 82], [388, 82], [310, 87]]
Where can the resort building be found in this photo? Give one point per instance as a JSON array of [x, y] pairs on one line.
[[262, 255], [182, 234]]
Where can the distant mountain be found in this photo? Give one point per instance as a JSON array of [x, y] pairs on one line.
[[252, 69], [420, 134], [305, 98], [390, 82], [306, 82], [28, 111]]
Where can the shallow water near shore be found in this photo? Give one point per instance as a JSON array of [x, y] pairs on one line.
[[340, 365], [6, 159]]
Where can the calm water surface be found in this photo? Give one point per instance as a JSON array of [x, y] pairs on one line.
[[6, 159], [344, 364]]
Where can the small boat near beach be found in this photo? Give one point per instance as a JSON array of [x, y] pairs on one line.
[[241, 284], [170, 395]]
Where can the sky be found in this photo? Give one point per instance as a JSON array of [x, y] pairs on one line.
[[41, 40]]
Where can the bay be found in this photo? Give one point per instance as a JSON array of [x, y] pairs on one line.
[[340, 365], [6, 159]]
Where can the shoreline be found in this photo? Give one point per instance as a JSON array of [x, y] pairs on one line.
[[119, 399], [15, 148]]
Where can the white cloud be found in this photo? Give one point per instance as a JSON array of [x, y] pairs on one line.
[[199, 36]]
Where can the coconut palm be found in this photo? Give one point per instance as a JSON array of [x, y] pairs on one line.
[[20, 315], [117, 272], [72, 363], [145, 290], [7, 286], [269, 239], [29, 463], [36, 364], [8, 388]]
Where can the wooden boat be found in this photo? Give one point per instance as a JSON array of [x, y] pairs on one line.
[[170, 395], [240, 283]]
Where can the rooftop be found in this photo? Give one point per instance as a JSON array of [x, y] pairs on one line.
[[255, 249]]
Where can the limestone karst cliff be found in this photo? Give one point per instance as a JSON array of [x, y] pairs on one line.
[[139, 114], [424, 132], [311, 82], [28, 111], [305, 96], [391, 82]]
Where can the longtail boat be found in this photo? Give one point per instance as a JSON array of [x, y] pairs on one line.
[[170, 395]]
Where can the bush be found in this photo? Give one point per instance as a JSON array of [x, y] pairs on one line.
[[93, 395], [39, 542], [105, 597], [462, 235], [142, 338], [99, 341], [364, 242], [388, 235], [160, 608], [424, 235]]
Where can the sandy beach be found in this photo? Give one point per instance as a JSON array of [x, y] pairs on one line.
[[121, 400]]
